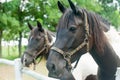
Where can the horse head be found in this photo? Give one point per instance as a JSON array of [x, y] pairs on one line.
[[77, 31], [38, 44]]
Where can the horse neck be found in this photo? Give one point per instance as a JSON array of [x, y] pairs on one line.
[[51, 40], [107, 62], [51, 37]]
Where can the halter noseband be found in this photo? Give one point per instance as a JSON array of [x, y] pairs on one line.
[[67, 55]]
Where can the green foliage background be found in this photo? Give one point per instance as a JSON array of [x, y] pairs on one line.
[[14, 15]]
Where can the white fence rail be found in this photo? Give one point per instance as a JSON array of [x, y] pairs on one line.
[[19, 70]]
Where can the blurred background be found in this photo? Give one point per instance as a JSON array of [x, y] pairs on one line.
[[14, 15]]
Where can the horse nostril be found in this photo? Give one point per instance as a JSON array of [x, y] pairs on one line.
[[51, 67], [25, 60]]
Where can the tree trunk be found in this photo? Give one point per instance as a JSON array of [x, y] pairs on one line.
[[20, 44], [8, 50], [0, 43]]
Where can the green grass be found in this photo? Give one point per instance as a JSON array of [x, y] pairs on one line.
[[10, 52]]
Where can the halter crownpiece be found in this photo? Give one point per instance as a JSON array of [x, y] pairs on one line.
[[67, 55]]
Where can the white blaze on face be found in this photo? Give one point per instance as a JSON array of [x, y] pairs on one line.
[[30, 38]]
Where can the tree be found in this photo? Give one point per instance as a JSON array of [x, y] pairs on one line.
[[5, 21], [110, 12], [15, 14]]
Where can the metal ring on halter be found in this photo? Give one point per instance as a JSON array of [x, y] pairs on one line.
[[67, 55]]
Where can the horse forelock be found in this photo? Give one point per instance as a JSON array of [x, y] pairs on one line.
[[65, 19], [34, 33]]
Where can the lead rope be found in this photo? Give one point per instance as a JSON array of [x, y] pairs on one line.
[[76, 64]]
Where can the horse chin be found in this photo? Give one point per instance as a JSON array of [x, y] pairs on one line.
[[53, 76], [26, 60], [27, 64], [66, 75]]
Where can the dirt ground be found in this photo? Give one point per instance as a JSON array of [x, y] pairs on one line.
[[7, 72]]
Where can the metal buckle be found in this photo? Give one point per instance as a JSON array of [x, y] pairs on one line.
[[66, 56]]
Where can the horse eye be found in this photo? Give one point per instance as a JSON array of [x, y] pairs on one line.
[[72, 29]]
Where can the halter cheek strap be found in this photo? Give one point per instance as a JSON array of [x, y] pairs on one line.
[[45, 48], [67, 55]]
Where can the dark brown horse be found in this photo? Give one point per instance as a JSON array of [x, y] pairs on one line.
[[39, 43], [80, 31]]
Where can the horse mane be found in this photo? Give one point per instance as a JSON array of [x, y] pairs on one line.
[[105, 21], [65, 18], [96, 30], [51, 33]]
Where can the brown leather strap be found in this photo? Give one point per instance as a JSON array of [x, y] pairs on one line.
[[58, 50]]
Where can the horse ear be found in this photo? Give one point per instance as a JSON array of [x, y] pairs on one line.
[[61, 7], [29, 25], [39, 26], [73, 7]]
